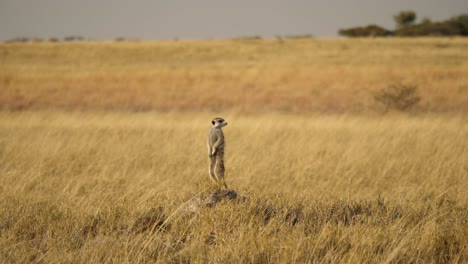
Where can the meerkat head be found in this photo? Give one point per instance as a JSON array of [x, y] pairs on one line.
[[218, 122]]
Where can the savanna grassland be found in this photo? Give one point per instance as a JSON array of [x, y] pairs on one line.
[[103, 156], [293, 75]]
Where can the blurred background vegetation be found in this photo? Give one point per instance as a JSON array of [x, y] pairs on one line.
[[406, 26]]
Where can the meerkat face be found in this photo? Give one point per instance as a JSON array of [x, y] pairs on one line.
[[218, 122]]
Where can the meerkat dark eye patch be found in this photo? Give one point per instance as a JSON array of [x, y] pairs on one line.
[[212, 122]]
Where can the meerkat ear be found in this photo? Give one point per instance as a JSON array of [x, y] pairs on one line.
[[213, 122]]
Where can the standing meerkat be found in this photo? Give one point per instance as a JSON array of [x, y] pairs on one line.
[[216, 145]]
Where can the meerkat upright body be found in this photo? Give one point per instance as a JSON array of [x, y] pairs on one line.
[[216, 146]]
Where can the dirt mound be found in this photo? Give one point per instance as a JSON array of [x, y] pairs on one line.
[[211, 199]]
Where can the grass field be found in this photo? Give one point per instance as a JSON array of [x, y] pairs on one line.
[[294, 75], [75, 185], [103, 156]]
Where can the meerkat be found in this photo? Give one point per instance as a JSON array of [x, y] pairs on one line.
[[216, 146]]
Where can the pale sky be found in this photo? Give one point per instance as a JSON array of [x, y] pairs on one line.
[[205, 19]]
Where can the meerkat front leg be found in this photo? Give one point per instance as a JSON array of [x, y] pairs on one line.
[[216, 145]]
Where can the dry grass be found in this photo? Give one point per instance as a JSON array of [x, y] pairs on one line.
[[111, 187], [295, 75], [120, 186]]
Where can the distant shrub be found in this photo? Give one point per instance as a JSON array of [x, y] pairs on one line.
[[19, 39], [460, 22], [120, 39], [303, 36], [53, 40], [397, 97], [406, 27], [457, 26], [73, 38], [368, 31], [249, 38]]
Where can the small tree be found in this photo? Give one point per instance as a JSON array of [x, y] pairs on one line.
[[404, 18]]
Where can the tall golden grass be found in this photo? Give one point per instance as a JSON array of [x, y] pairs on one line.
[[87, 187], [295, 75]]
